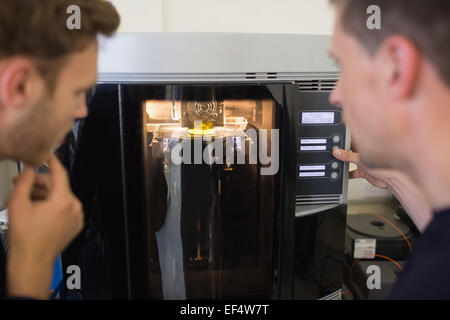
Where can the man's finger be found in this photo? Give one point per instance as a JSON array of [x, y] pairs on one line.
[[40, 181], [346, 156], [39, 195], [39, 192], [24, 185], [43, 181], [376, 182], [355, 174]]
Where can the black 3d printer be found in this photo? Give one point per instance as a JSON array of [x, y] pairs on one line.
[[157, 228]]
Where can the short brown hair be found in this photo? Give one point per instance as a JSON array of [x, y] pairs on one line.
[[38, 29], [425, 23]]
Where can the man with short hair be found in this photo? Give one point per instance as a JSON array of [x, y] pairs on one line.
[[394, 90], [45, 70]]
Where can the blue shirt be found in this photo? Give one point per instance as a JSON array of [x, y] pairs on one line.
[[427, 273]]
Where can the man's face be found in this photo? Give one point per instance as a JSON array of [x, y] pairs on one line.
[[362, 93], [51, 118]]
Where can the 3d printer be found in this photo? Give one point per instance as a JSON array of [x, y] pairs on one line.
[[200, 181]]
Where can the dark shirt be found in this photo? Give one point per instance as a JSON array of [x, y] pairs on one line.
[[2, 274], [427, 273]]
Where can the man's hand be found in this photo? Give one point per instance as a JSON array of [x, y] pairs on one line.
[[39, 230], [410, 195], [376, 177], [41, 188]]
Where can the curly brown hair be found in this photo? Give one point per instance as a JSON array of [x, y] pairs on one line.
[[37, 29]]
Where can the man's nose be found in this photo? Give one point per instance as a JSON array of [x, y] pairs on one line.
[[335, 96]]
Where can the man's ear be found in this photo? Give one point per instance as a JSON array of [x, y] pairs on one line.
[[18, 80], [400, 59]]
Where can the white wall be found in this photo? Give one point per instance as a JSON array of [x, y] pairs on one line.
[[140, 15], [259, 16]]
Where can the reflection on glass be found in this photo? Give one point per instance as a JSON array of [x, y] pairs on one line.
[[211, 225]]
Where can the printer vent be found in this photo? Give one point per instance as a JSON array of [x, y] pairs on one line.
[[317, 85]]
